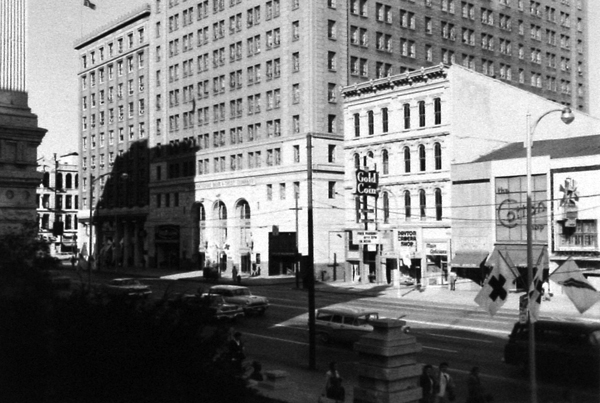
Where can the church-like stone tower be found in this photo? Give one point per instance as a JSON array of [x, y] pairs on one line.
[[19, 132]]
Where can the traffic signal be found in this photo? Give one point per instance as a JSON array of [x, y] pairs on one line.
[[58, 228]]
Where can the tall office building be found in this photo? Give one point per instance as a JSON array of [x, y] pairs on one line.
[[113, 147], [238, 88]]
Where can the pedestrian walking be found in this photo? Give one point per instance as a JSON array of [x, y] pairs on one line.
[[234, 273], [445, 385], [427, 383], [475, 388], [333, 384], [237, 351], [452, 281], [73, 261]]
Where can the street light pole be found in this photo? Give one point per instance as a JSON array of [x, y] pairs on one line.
[[567, 117]]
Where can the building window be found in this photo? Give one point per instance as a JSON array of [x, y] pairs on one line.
[[438, 204], [331, 123], [422, 204], [332, 92], [437, 150], [371, 122], [331, 153], [269, 192], [282, 191], [406, 205], [437, 109], [356, 125], [386, 208], [422, 158], [331, 189], [406, 108], [356, 161], [406, 153], [384, 119], [385, 159], [331, 61], [421, 113]]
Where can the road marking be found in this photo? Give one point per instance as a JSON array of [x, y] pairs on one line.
[[439, 349], [458, 337], [457, 327]]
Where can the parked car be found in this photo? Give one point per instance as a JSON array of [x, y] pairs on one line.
[[561, 347], [240, 295], [213, 304], [127, 287], [343, 324]]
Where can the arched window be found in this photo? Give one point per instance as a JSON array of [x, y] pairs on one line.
[[385, 162], [407, 205], [76, 181], [356, 161], [422, 204], [46, 179], [406, 160], [406, 109], [421, 113], [386, 207], [244, 210], [69, 180], [437, 152], [356, 125], [422, 160], [368, 160], [220, 213], [438, 204]]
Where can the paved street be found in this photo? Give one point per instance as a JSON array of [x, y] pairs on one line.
[[448, 325]]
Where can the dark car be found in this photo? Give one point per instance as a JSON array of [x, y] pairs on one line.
[[213, 305], [127, 287], [562, 347]]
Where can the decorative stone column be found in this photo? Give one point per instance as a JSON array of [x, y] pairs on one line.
[[387, 369]]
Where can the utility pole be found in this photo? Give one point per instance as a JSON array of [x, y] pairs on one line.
[[311, 264], [297, 257]]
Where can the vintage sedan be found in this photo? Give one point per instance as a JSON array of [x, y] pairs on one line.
[[127, 287], [240, 295], [213, 305]]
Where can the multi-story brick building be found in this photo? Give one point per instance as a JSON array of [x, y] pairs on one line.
[[58, 201], [237, 88], [113, 149]]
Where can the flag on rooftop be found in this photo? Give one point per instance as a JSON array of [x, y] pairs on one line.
[[494, 292], [579, 290], [88, 3]]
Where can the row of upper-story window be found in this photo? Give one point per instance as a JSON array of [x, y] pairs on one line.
[[108, 95], [406, 156], [60, 202], [119, 136], [111, 117], [272, 9], [100, 75], [112, 48], [407, 118], [70, 220], [61, 180], [425, 213]]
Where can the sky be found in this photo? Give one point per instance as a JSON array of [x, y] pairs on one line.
[[52, 62]]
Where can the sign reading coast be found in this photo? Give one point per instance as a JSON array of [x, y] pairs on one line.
[[367, 182]]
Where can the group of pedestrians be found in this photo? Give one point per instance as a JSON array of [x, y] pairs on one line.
[[440, 387]]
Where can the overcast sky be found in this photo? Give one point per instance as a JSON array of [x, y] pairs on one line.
[[55, 25]]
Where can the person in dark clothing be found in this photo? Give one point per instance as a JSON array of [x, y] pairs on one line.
[[427, 383], [333, 384], [236, 351], [475, 389]]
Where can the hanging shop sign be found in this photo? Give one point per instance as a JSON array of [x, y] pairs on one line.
[[367, 183], [366, 237]]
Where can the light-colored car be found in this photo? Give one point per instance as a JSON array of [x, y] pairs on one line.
[[343, 324], [242, 296], [127, 287], [214, 304]]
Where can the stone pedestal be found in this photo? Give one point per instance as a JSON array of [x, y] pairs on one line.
[[388, 369]]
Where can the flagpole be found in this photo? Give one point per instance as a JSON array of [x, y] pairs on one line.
[[530, 323]]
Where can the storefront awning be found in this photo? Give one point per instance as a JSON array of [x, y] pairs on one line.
[[516, 255], [471, 259]]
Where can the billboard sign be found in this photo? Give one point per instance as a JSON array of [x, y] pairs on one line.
[[367, 182]]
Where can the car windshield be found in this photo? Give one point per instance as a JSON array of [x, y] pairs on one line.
[[243, 291]]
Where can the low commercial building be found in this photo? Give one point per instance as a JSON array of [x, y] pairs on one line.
[[489, 206]]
